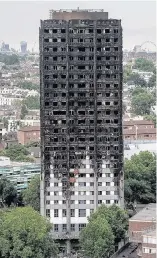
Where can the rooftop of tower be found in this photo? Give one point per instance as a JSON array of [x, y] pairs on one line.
[[70, 14]]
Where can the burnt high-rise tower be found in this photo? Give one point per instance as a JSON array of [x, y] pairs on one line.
[[81, 117]]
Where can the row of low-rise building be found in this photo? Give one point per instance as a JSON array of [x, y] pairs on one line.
[[9, 100], [19, 173], [139, 130], [15, 91], [9, 96], [15, 125]]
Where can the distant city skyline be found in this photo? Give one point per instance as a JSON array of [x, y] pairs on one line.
[[20, 21]]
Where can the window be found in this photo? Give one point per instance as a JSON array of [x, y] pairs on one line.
[[55, 227], [47, 202], [72, 202], [55, 201], [107, 192], [72, 213], [82, 201], [91, 183], [149, 240], [47, 212], [82, 192], [72, 227], [55, 213], [64, 202], [107, 183], [108, 201], [99, 201], [107, 174], [55, 193], [82, 184], [64, 227], [81, 226], [99, 192], [82, 212], [146, 250], [64, 213], [48, 193], [99, 183], [91, 201], [55, 184], [91, 192]]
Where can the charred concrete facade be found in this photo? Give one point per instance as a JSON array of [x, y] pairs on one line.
[[81, 117]]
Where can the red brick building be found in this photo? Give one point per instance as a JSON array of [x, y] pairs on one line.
[[28, 134], [142, 228], [139, 130]]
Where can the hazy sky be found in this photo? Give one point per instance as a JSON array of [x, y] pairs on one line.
[[20, 20]]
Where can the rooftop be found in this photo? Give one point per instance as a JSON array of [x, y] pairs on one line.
[[77, 14], [76, 10], [30, 128], [138, 122], [129, 251], [146, 214]]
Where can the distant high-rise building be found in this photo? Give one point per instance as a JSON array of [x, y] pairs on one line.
[[5, 47], [23, 47], [81, 117], [137, 48]]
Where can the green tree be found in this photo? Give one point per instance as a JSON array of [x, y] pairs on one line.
[[31, 195], [152, 81], [140, 178], [5, 122], [116, 217], [17, 104], [138, 191], [25, 233], [32, 102], [141, 103], [9, 59], [24, 158], [144, 65], [97, 239], [24, 111], [137, 90], [8, 192], [136, 79], [29, 86], [127, 71], [17, 153], [152, 118]]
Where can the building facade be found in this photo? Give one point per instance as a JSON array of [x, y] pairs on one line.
[[139, 130], [142, 231], [143, 222], [81, 117], [20, 174], [149, 247], [28, 134]]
